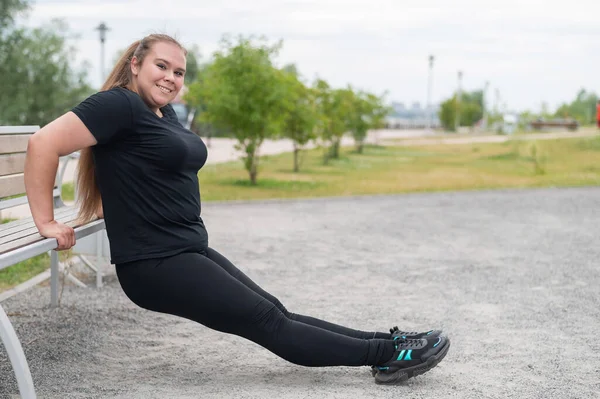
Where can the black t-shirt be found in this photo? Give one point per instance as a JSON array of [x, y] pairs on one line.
[[147, 173]]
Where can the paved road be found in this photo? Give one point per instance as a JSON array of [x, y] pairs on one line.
[[512, 276]]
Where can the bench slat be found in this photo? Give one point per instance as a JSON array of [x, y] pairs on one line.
[[19, 222], [67, 213], [13, 143], [20, 239], [12, 185], [45, 244], [12, 163], [30, 228], [19, 129]]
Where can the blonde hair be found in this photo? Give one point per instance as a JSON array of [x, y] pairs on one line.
[[88, 194]]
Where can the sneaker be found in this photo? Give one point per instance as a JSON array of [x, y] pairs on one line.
[[397, 334], [414, 335], [411, 358]]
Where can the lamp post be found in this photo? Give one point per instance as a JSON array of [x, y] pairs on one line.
[[102, 28], [429, 89], [458, 96]]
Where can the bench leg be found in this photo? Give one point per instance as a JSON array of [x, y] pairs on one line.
[[16, 356], [54, 278]]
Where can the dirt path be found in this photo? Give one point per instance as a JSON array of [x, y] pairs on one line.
[[512, 276]]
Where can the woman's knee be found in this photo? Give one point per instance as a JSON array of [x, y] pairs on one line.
[[280, 306]]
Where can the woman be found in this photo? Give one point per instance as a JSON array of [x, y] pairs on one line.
[[138, 170]]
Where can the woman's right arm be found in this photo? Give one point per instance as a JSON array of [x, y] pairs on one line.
[[60, 137]]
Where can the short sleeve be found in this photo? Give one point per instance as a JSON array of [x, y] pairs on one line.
[[106, 113]]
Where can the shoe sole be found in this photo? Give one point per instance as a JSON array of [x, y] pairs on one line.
[[402, 375]]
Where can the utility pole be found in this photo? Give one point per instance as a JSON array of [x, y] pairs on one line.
[[458, 98], [497, 100], [429, 90], [484, 122], [102, 28]]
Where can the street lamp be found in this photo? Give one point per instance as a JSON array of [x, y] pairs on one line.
[[458, 97], [102, 28], [429, 88]]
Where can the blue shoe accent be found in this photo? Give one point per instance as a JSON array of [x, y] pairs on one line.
[[400, 355], [438, 342]]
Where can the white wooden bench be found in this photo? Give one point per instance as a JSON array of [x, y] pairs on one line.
[[20, 240]]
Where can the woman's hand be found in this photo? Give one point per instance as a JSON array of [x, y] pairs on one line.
[[64, 234]]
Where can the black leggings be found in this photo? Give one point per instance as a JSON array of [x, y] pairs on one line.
[[207, 288]]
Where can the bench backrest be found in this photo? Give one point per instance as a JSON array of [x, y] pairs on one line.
[[13, 148]]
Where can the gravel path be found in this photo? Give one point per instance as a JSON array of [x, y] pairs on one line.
[[512, 276]]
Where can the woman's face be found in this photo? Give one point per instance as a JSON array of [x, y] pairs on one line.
[[159, 77]]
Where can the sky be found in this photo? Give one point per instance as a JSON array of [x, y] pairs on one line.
[[530, 51]]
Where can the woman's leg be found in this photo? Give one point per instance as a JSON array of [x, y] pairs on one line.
[[240, 276], [191, 285]]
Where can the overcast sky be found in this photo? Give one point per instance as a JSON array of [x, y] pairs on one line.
[[529, 50]]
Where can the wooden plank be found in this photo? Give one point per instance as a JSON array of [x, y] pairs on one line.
[[13, 143], [19, 129], [32, 230], [12, 185], [15, 223], [68, 215], [12, 163], [44, 245], [27, 240]]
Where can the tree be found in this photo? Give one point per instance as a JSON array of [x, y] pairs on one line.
[[8, 10], [471, 110], [583, 108], [367, 112], [334, 107], [36, 66], [300, 111], [193, 65], [242, 92]]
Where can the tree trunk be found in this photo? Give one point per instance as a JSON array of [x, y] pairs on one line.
[[335, 148], [326, 155], [253, 170], [251, 164], [359, 147], [296, 154]]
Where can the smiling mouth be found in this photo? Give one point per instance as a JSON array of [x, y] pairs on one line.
[[164, 89]]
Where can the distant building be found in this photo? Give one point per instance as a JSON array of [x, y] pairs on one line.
[[414, 117]]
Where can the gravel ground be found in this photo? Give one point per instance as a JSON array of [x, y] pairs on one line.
[[511, 276]]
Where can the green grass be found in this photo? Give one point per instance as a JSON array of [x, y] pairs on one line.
[[388, 170], [23, 271], [68, 191]]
